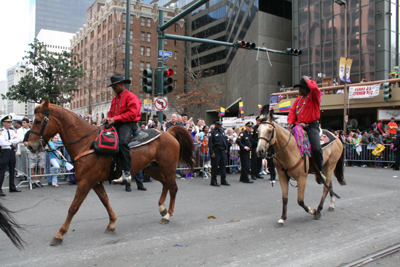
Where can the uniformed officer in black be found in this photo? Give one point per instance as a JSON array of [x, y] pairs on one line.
[[256, 162], [244, 141], [218, 147], [8, 138]]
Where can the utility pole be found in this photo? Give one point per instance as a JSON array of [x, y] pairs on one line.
[[127, 41]]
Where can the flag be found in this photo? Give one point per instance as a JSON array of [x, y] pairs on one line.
[[275, 99], [285, 106], [119, 39], [149, 105], [240, 105], [145, 105], [241, 113], [259, 108], [222, 111]]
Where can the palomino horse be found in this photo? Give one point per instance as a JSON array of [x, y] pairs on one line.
[[159, 158], [290, 164], [9, 226]]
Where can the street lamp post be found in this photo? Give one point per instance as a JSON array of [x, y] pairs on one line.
[[345, 115]]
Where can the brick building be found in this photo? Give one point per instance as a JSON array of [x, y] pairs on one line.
[[100, 46]]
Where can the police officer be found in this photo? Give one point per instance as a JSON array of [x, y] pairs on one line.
[[218, 146], [244, 141], [256, 162], [8, 140]]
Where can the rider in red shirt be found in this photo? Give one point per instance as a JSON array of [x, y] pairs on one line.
[[124, 114], [306, 112]]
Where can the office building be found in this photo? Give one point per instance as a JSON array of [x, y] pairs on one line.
[[60, 15]]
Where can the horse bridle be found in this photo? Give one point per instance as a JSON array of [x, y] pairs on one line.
[[43, 141], [272, 136]]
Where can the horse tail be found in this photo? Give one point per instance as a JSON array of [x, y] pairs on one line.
[[186, 155], [9, 225], [339, 170]]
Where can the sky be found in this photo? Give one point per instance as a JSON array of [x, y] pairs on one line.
[[14, 30]]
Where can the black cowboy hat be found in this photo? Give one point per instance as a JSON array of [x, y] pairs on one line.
[[118, 78], [302, 83]]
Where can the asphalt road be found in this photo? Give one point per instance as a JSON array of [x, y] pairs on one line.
[[366, 219]]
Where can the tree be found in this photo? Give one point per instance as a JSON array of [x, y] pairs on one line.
[[52, 75]]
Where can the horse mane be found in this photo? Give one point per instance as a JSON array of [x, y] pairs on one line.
[[9, 225]]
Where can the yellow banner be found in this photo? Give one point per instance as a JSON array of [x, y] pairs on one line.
[[342, 67], [348, 68]]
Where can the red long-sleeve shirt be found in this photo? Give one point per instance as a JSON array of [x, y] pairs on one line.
[[125, 107], [311, 110]]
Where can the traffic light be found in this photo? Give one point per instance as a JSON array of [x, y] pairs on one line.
[[247, 45], [386, 91], [148, 81], [167, 81], [293, 51]]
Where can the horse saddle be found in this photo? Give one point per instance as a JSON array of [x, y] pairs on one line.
[[326, 138], [142, 137]]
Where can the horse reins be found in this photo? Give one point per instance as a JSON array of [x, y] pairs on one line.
[[272, 136]]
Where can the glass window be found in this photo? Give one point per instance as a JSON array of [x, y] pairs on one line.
[[392, 61], [353, 4], [315, 54], [353, 22], [141, 66], [315, 33], [368, 18], [142, 50], [338, 49], [393, 40], [368, 42], [354, 45], [303, 36], [148, 35], [175, 55], [148, 65], [147, 51], [304, 57], [303, 16], [302, 3], [326, 9], [148, 22], [355, 67], [143, 22], [315, 12], [123, 48], [130, 65], [304, 70], [327, 68], [327, 51], [338, 24], [315, 69], [366, 2], [368, 62], [326, 30], [142, 34]]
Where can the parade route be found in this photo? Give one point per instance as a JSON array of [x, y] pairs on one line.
[[243, 233]]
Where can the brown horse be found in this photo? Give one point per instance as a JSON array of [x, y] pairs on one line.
[[159, 158], [287, 157]]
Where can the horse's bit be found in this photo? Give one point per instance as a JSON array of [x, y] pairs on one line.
[[272, 136], [43, 140]]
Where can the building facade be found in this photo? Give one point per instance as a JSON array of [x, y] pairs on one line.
[[100, 46], [372, 38], [60, 15]]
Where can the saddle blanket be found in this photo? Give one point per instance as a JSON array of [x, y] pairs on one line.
[[326, 138], [152, 135]]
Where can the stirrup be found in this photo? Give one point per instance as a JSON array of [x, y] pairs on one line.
[[123, 179]]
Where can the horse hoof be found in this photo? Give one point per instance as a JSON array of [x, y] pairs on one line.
[[317, 216], [164, 221], [109, 230], [331, 209], [164, 212], [279, 225], [56, 242]]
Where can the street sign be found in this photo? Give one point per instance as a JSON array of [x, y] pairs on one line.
[[164, 58], [161, 103], [165, 53]]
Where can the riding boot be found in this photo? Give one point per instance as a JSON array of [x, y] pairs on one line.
[[125, 178], [318, 159]]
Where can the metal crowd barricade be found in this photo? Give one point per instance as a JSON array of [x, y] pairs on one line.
[[365, 156], [24, 170], [203, 162]]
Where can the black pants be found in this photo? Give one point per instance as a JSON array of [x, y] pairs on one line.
[[218, 161], [244, 161], [7, 159], [138, 179], [125, 131], [397, 162], [313, 135], [256, 162], [271, 168]]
